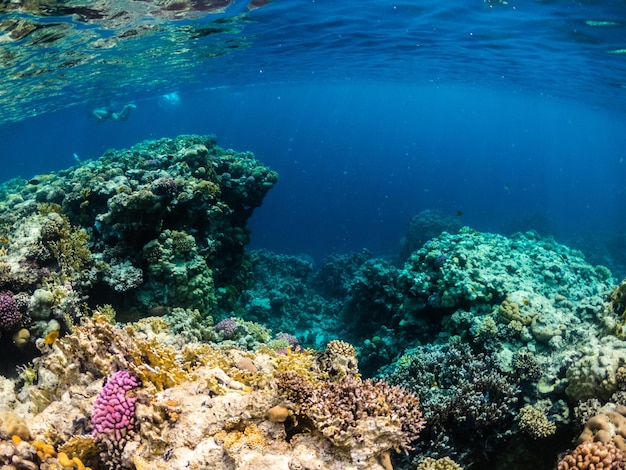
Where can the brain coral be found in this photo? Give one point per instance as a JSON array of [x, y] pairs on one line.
[[608, 426]]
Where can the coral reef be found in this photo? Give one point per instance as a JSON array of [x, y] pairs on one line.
[[163, 222], [476, 350], [173, 403], [425, 226]]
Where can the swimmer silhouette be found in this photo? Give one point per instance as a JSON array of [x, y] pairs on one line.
[[107, 112]]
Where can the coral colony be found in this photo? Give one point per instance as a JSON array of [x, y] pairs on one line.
[[138, 333]]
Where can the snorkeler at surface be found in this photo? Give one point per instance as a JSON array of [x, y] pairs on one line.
[[104, 113]]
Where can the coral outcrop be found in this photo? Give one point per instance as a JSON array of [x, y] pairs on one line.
[[163, 222]]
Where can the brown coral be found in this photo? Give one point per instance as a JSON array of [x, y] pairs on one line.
[[593, 456], [607, 427], [353, 412], [534, 423], [338, 361]]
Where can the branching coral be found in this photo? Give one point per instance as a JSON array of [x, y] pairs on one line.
[[459, 390], [445, 463], [365, 417], [10, 316]]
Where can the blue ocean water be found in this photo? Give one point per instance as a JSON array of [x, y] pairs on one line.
[[509, 115]]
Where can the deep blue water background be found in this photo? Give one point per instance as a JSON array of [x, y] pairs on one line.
[[512, 114], [358, 159]]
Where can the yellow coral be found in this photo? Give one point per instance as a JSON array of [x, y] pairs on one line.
[[302, 363], [534, 423], [445, 463], [74, 462], [251, 437], [81, 447], [509, 311]]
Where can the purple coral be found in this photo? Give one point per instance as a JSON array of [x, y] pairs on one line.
[[228, 327], [293, 342], [164, 186], [10, 315], [113, 412]]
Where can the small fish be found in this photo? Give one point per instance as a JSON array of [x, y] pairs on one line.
[[51, 337], [158, 311], [33, 181], [76, 157], [459, 213], [507, 187]]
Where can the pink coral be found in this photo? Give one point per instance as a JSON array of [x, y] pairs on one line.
[[113, 412]]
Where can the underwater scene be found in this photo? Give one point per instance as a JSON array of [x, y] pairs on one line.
[[313, 235]]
